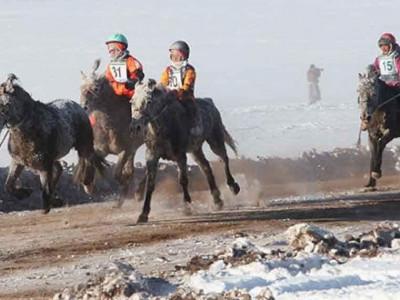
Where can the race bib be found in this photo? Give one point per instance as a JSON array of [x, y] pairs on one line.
[[175, 79], [387, 66], [119, 71]]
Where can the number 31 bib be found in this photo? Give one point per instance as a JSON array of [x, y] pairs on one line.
[[119, 71]]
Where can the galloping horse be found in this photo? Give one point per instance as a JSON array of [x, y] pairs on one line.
[[163, 121], [384, 124], [41, 134], [110, 117]]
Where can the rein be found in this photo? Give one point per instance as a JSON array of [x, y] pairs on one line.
[[387, 101], [160, 114], [4, 137]]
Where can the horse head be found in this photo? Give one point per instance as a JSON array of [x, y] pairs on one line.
[[366, 89], [11, 108], [95, 89], [147, 104]]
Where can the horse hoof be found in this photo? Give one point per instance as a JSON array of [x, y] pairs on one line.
[[142, 219], [57, 202], [89, 189], [219, 204], [187, 210], [138, 197], [22, 193], [376, 175], [371, 183], [235, 188], [46, 210], [118, 204]]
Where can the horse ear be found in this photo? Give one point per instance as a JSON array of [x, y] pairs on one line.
[[83, 76], [10, 82], [96, 65], [152, 82]]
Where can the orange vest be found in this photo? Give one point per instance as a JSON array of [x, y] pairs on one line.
[[188, 78], [132, 65]]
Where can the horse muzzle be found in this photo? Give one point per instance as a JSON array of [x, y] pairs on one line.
[[137, 126]]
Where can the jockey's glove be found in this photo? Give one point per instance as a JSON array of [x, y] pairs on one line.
[[130, 84]]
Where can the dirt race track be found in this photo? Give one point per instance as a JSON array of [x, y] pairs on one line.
[[40, 255]]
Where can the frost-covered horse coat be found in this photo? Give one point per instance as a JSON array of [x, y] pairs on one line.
[[163, 120], [41, 134]]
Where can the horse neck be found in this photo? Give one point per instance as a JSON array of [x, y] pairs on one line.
[[162, 110], [24, 110]]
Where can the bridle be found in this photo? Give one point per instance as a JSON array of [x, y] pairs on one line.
[[147, 116]]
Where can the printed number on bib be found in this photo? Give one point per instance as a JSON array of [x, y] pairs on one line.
[[119, 71], [387, 66], [175, 81]]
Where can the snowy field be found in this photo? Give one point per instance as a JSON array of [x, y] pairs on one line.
[[251, 57]]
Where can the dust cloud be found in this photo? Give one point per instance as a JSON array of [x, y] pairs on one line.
[[261, 181]]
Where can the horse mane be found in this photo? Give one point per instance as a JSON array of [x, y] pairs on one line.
[[20, 93], [91, 83], [94, 81], [371, 72]]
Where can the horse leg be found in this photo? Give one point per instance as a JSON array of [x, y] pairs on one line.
[[139, 193], [57, 171], [373, 145], [128, 173], [218, 147], [47, 188], [376, 147], [14, 171], [151, 165], [200, 159], [184, 181], [123, 173]]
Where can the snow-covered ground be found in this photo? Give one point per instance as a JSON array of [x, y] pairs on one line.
[[251, 58], [305, 262]]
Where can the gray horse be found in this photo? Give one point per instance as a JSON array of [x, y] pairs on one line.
[[41, 134], [384, 123], [110, 116], [163, 121]]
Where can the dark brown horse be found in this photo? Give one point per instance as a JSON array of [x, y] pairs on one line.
[[165, 124], [384, 124], [110, 117], [41, 134]]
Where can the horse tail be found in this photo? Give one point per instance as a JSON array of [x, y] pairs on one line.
[[230, 141]]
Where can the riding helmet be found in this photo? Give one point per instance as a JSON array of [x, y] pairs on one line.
[[387, 39], [182, 47], [119, 38]]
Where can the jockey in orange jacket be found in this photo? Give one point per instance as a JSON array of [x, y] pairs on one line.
[[124, 70], [180, 78]]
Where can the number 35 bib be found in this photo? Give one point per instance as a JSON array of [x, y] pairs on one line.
[[119, 71]]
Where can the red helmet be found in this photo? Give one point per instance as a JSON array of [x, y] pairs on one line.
[[387, 39]]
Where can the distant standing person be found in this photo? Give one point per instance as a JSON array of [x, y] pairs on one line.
[[313, 74]]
